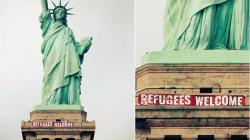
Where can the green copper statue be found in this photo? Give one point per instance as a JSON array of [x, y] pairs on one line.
[[207, 25], [62, 57]]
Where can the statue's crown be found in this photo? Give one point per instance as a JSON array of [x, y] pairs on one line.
[[60, 6]]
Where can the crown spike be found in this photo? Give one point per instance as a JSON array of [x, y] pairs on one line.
[[70, 14], [69, 9], [66, 4], [60, 3], [53, 3]]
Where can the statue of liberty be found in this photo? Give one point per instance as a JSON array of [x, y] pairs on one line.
[[62, 57], [207, 25]]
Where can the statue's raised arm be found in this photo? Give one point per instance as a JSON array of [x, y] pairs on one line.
[[44, 4]]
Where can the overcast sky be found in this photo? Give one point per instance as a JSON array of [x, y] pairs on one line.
[[148, 26], [108, 69]]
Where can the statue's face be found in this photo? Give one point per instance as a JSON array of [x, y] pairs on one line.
[[60, 14]]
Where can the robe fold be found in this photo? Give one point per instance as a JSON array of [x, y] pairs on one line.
[[206, 25], [62, 56]]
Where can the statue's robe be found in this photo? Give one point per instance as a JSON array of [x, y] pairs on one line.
[[62, 56], [206, 25]]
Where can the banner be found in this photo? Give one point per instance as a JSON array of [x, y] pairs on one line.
[[190, 100], [52, 124]]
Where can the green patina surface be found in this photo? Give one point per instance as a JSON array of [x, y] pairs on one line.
[[204, 32], [197, 57], [58, 107], [62, 58], [206, 25]]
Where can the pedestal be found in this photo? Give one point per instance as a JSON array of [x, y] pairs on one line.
[[208, 73], [58, 122]]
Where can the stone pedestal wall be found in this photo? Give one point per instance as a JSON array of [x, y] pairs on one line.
[[154, 122], [61, 124]]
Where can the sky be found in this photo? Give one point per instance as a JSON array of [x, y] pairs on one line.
[[108, 69], [148, 27]]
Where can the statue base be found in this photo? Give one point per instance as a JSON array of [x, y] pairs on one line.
[[58, 122], [182, 75], [58, 107], [197, 57]]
